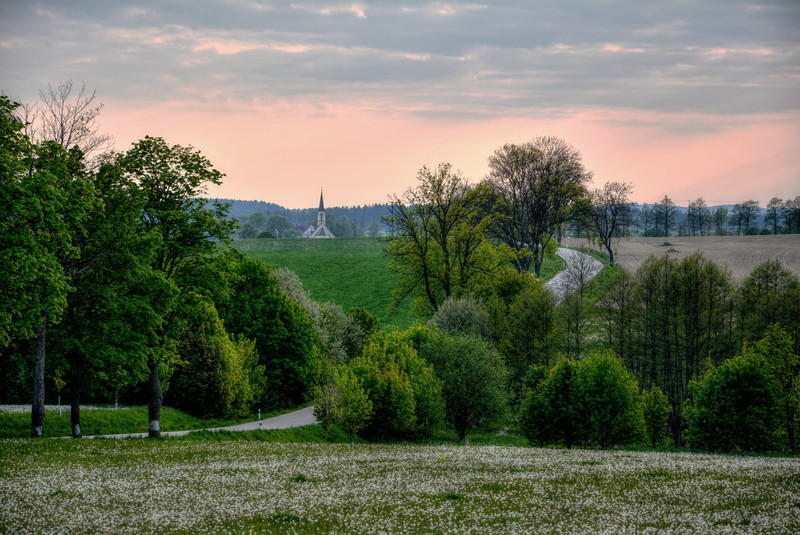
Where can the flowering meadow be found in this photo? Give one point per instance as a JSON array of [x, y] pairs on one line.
[[146, 486]]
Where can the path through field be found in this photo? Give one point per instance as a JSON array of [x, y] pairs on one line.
[[284, 421]]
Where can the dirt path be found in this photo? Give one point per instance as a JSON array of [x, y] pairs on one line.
[[284, 421]]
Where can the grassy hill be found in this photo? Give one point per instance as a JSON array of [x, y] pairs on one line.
[[345, 271]]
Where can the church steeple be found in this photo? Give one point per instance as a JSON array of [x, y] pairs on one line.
[[322, 230]]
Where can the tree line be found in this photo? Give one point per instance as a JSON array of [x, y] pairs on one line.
[[121, 282]]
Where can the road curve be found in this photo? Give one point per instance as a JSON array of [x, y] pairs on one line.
[[563, 284], [284, 421]]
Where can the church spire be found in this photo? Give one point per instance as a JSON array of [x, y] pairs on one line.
[[321, 204]]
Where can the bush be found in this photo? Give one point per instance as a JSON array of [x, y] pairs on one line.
[[464, 316], [735, 407], [403, 389], [656, 409], [473, 379]]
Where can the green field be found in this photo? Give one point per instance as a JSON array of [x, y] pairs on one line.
[[164, 486], [346, 271]]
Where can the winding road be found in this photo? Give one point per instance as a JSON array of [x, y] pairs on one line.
[[580, 266]]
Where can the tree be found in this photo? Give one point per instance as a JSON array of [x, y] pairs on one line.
[[524, 325], [670, 319], [735, 407], [399, 381], [772, 217], [213, 379], [777, 351], [698, 218], [171, 180], [464, 316], [609, 212], [608, 401], [790, 212], [664, 215], [437, 240], [656, 409], [473, 380], [743, 217], [354, 408], [536, 185], [67, 120], [720, 217], [771, 294]]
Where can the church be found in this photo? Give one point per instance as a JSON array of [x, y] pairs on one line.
[[321, 230]]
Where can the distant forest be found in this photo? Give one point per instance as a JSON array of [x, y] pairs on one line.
[[359, 220], [360, 217]]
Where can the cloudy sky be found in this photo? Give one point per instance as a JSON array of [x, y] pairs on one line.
[[684, 98]]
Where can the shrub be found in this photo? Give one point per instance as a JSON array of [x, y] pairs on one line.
[[735, 407]]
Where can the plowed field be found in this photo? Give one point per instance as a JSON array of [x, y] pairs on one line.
[[740, 254]]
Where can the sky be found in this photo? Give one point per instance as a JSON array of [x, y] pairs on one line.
[[681, 98]]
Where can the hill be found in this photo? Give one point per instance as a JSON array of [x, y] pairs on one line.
[[347, 272]]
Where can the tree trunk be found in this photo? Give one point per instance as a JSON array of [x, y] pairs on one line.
[[37, 408], [156, 396], [75, 411]]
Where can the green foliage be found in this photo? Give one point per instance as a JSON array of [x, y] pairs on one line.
[[354, 408], [216, 375], [668, 320], [771, 294], [437, 240], [656, 409], [590, 402], [777, 351], [404, 391], [462, 315], [735, 407], [524, 326], [473, 380], [609, 408]]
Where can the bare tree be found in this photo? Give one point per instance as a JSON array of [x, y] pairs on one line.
[[609, 213], [580, 272], [67, 118]]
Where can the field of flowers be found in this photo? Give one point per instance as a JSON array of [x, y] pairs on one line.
[[144, 486]]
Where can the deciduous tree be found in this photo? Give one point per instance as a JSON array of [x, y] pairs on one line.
[[610, 210], [437, 241], [536, 186]]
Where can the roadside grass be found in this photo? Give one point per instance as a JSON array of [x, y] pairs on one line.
[[205, 486], [348, 272], [110, 422]]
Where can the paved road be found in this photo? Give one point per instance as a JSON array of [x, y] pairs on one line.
[[579, 265], [284, 421]]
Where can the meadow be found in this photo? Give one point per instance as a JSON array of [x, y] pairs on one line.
[[146, 486], [346, 272]]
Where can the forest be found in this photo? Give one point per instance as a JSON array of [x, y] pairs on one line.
[[121, 284]]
